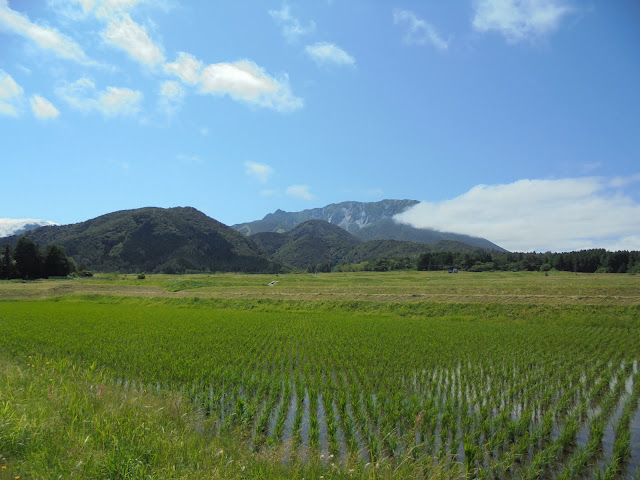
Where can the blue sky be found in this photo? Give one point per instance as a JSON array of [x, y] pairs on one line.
[[518, 121]]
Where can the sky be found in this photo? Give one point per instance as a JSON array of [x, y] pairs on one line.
[[514, 120]]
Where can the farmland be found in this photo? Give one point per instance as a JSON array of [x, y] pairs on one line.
[[412, 374]]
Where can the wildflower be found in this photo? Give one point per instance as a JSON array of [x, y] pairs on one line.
[[4, 467]]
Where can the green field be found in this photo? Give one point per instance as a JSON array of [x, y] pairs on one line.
[[392, 375]]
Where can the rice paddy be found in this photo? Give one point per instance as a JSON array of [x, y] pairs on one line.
[[326, 371]]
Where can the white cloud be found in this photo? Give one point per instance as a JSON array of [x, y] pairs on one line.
[[11, 226], [259, 171], [10, 95], [418, 31], [45, 37], [617, 182], [43, 108], [519, 20], [246, 81], [300, 191], [124, 33], [79, 9], [171, 96], [120, 4], [172, 91], [291, 26], [325, 53], [541, 215], [74, 9], [243, 80], [119, 101], [83, 95], [186, 67]]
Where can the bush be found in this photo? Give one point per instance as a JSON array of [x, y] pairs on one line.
[[141, 276]]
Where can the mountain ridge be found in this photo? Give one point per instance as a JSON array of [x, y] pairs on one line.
[[154, 239], [365, 220]]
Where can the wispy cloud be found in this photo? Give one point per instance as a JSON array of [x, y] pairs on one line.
[[190, 159], [11, 95], [83, 95], [325, 53], [43, 108], [172, 91], [186, 67], [122, 32], [541, 215], [44, 37], [79, 9], [519, 20], [171, 96], [299, 191], [417, 30], [259, 171], [292, 28]]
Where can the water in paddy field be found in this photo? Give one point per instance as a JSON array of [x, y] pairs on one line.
[[634, 462], [322, 428]]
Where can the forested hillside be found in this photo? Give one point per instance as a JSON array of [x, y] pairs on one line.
[[173, 240]]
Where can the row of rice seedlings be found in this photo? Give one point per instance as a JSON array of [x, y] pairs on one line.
[[544, 458], [567, 438], [622, 443], [586, 453]]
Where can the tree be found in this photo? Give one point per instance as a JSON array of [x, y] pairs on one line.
[[56, 262], [6, 262], [29, 261]]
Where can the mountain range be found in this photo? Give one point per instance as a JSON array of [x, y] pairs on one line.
[[183, 239], [365, 220]]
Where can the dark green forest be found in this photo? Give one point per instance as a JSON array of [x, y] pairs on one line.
[[584, 261], [27, 262]]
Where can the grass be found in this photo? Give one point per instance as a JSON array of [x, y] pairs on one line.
[[559, 288], [59, 420], [399, 375]]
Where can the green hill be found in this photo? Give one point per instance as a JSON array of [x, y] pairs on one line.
[[316, 242], [155, 240]]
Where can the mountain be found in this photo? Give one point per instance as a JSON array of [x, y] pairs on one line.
[[365, 220], [154, 240], [317, 242], [310, 243], [16, 226]]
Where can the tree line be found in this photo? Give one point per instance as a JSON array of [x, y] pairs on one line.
[[27, 262], [584, 261]]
